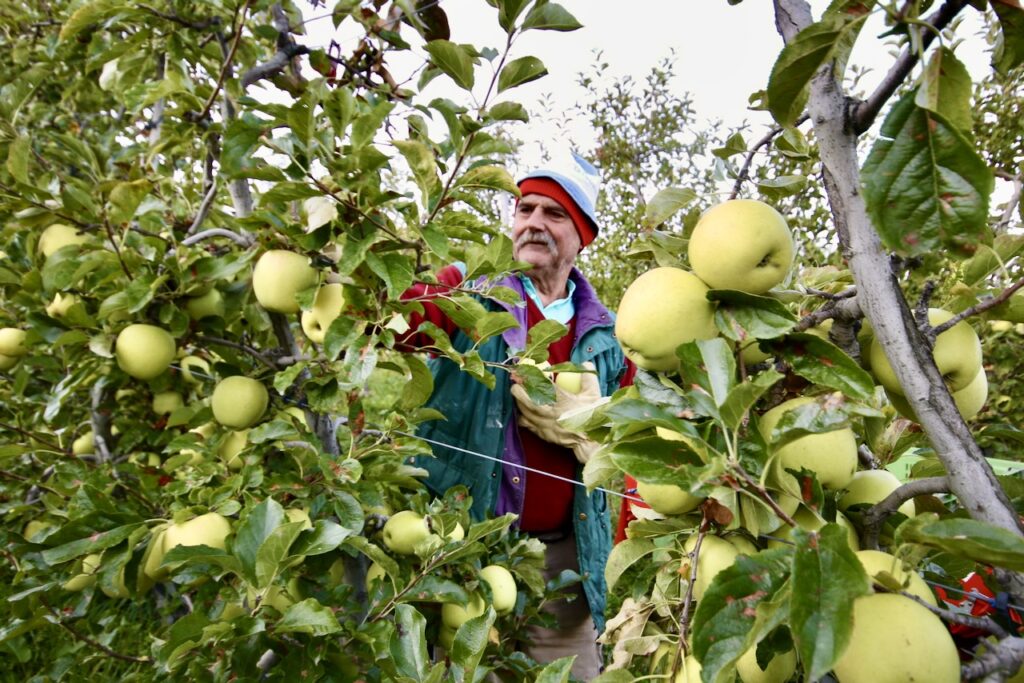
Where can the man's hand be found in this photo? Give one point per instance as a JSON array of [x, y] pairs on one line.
[[543, 420]]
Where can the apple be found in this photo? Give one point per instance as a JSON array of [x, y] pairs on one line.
[[571, 382], [299, 515], [969, 400], [84, 444], [741, 244], [446, 637], [660, 310], [374, 573], [8, 362], [211, 530], [503, 587], [119, 589], [668, 499], [957, 355], [144, 351], [278, 276], [194, 369], [87, 575], [690, 671], [751, 353], [231, 447], [780, 669], [809, 521], [757, 518], [61, 304], [166, 402], [832, 456], [12, 342], [873, 486], [454, 615], [327, 305], [207, 305], [35, 526], [716, 553], [894, 640], [457, 534], [59, 235], [239, 402], [876, 562], [404, 530]]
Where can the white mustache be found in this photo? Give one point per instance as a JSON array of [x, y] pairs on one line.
[[535, 237]]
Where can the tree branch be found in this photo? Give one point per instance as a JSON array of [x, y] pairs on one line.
[[241, 347], [59, 621], [978, 308], [226, 68], [244, 241], [1004, 655], [864, 113], [763, 142], [878, 513]]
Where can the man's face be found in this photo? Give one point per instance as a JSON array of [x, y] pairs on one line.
[[543, 234]]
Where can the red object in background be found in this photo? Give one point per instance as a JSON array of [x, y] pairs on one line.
[[976, 601], [626, 513]]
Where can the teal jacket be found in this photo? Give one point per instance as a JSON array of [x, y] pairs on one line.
[[484, 421]]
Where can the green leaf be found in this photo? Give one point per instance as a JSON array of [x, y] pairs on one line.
[[409, 643], [423, 165], [743, 397], [89, 14], [453, 60], [494, 322], [793, 144], [419, 386], [925, 185], [509, 11], [308, 616], [258, 525], [624, 555], [394, 269], [980, 541], [782, 186], [91, 544], [732, 614], [273, 551], [324, 537], [541, 336], [946, 90], [550, 17], [825, 364], [557, 671], [488, 178], [125, 199], [827, 578], [1009, 48], [657, 461], [719, 366], [201, 554], [18, 155], [741, 316], [508, 111], [431, 588], [520, 71], [471, 641], [665, 204]]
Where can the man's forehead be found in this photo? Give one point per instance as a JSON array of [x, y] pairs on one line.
[[535, 199]]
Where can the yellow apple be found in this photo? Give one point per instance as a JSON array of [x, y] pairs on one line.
[[12, 342], [239, 402], [327, 306], [873, 486], [457, 534], [446, 637], [61, 304], [957, 355], [166, 402], [660, 310], [84, 444], [404, 530], [278, 276], [8, 362], [690, 671], [154, 556], [809, 521], [969, 400], [895, 640], [299, 515], [144, 351], [454, 615], [374, 573], [207, 305], [59, 235], [876, 562], [211, 530], [780, 669], [832, 456], [194, 369], [741, 244], [231, 448], [87, 575], [668, 499], [716, 553], [503, 587], [572, 382], [35, 526]]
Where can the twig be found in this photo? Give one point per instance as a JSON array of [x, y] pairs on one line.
[[59, 621], [241, 347], [839, 308], [878, 513], [863, 115], [978, 308], [243, 241], [227, 64], [866, 457], [36, 484], [1012, 203], [100, 422], [1005, 654], [684, 615], [209, 182], [764, 495], [744, 173], [287, 49], [52, 445], [983, 623], [181, 21]]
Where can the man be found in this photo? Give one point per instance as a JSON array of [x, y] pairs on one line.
[[554, 220]]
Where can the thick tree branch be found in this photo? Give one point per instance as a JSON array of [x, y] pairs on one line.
[[1003, 656], [244, 241], [1011, 205], [864, 114], [876, 515]]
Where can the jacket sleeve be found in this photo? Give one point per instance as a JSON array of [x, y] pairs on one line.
[[447, 278]]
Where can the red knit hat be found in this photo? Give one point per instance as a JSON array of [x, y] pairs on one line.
[[546, 187]]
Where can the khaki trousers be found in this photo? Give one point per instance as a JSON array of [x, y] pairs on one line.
[[575, 634]]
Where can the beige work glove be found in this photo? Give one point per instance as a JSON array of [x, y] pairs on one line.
[[543, 420]]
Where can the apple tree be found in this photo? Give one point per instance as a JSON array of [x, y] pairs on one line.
[[206, 226], [806, 446]]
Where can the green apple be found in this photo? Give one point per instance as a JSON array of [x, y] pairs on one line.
[[503, 587], [716, 553], [873, 486], [446, 637], [894, 640], [278, 276], [668, 499], [211, 530], [454, 615], [832, 456], [166, 402], [404, 530], [957, 355], [87, 575], [194, 369], [35, 526], [780, 669], [8, 362], [239, 402], [457, 534], [231, 448], [969, 400], [278, 597], [207, 305], [61, 304], [571, 382], [877, 562], [690, 671], [144, 351], [374, 573], [59, 235], [751, 353], [84, 444], [809, 521], [327, 305], [12, 342], [660, 310], [741, 244], [299, 515]]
